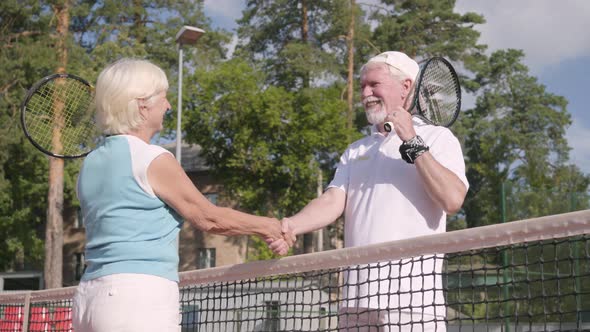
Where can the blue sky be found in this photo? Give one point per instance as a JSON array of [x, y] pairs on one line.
[[554, 35]]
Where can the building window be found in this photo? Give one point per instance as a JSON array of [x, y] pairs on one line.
[[272, 315], [190, 318], [16, 281], [206, 258], [79, 265], [212, 197]]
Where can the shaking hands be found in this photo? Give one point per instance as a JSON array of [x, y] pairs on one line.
[[281, 246]]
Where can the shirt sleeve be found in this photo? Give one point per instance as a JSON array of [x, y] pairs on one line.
[[341, 176], [142, 155], [446, 149]]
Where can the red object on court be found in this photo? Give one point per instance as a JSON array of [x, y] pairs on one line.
[[12, 320], [39, 320], [62, 318]]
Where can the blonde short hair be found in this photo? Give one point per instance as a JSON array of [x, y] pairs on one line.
[[119, 88]]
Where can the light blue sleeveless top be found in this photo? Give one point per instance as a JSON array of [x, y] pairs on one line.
[[128, 228]]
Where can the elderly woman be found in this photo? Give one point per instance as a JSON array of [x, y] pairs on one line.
[[133, 197]]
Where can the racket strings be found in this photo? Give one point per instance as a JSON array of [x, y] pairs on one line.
[[59, 117], [439, 95]]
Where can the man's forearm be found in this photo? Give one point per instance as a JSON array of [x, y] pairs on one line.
[[320, 212], [442, 185]]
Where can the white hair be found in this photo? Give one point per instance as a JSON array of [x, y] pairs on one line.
[[119, 88]]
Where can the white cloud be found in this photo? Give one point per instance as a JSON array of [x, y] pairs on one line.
[[230, 8], [548, 31]]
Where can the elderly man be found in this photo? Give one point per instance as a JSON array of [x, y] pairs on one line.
[[391, 186]]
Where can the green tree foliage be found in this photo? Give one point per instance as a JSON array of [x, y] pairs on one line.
[[27, 32], [275, 34], [270, 118], [109, 30], [426, 28], [263, 141], [113, 29], [516, 133], [23, 204], [291, 43], [298, 50], [302, 46], [100, 32]]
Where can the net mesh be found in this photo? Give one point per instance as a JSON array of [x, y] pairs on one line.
[[58, 117], [439, 93], [531, 275]]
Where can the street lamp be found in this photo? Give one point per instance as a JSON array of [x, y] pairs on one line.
[[187, 35]]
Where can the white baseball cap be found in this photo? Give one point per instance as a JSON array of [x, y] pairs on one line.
[[398, 60]]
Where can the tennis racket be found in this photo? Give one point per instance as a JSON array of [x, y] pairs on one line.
[[436, 95], [57, 116]]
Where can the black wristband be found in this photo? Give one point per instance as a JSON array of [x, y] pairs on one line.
[[412, 149]]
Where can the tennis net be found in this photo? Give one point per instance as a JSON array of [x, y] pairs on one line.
[[529, 275]]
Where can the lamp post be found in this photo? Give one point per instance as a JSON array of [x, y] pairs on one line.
[[187, 35]]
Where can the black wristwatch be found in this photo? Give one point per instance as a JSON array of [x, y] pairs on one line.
[[413, 148]]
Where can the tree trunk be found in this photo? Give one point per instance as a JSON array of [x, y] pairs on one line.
[[53, 267], [304, 37], [138, 22], [350, 82]]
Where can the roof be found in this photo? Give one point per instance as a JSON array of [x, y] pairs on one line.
[[191, 159]]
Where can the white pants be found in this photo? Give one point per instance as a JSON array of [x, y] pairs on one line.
[[126, 302], [374, 320]]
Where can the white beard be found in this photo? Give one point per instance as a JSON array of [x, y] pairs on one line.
[[376, 115]]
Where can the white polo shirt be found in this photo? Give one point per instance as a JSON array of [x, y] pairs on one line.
[[386, 201]]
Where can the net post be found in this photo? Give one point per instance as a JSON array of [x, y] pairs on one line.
[[505, 294], [577, 283], [26, 311]]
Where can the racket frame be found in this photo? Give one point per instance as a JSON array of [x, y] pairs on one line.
[[416, 105], [30, 93]]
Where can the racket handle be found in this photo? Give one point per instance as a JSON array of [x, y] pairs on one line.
[[388, 126]]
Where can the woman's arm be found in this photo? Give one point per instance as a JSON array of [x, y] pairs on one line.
[[171, 184]]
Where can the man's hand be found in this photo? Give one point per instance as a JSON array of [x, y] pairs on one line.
[[282, 245], [402, 123]]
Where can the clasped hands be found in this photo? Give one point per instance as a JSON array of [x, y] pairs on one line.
[[282, 245]]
